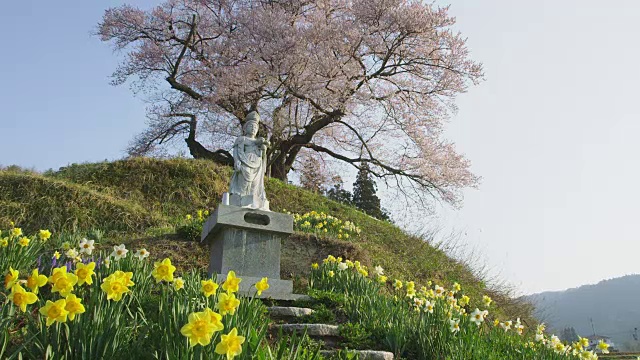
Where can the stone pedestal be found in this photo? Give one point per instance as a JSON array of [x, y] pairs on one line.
[[248, 242]]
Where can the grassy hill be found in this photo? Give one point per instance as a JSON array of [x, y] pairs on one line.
[[140, 201]]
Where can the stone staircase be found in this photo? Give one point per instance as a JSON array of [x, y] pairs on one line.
[[285, 317]]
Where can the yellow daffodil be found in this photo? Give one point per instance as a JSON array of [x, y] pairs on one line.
[[73, 306], [64, 284], [56, 255], [199, 329], [486, 300], [188, 217], [57, 273], [114, 289], [24, 241], [331, 273], [116, 285], [397, 284], [456, 287], [209, 287], [464, 300], [411, 292], [215, 318], [230, 344], [583, 341], [603, 346], [124, 277], [4, 242], [72, 253], [227, 303], [11, 278], [21, 298], [315, 266], [163, 270], [36, 281], [85, 273], [55, 311], [44, 235], [178, 283], [15, 232], [559, 348], [232, 283], [262, 285], [577, 346], [382, 279]]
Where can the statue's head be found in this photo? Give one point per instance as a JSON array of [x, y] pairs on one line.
[[251, 122]]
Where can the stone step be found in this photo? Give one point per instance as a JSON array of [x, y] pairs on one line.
[[317, 330], [363, 354], [288, 312], [282, 297]]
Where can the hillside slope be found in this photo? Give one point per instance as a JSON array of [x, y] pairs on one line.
[[615, 316], [138, 201]]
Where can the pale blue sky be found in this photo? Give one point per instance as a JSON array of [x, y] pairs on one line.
[[553, 131]]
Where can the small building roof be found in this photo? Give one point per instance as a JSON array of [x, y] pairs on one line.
[[597, 337]]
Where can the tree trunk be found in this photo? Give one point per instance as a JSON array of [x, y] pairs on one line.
[[283, 162], [279, 169]]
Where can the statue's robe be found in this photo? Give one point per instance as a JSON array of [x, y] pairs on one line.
[[247, 181]]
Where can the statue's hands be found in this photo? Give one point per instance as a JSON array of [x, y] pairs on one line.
[[263, 142]]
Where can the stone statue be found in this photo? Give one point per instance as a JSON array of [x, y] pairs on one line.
[[250, 160]]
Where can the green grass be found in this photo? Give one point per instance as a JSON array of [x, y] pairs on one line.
[[139, 201], [38, 202]]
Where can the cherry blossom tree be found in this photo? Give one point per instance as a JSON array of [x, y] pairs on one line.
[[358, 81]]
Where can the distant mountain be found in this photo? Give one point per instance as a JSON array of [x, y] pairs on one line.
[[612, 305]]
